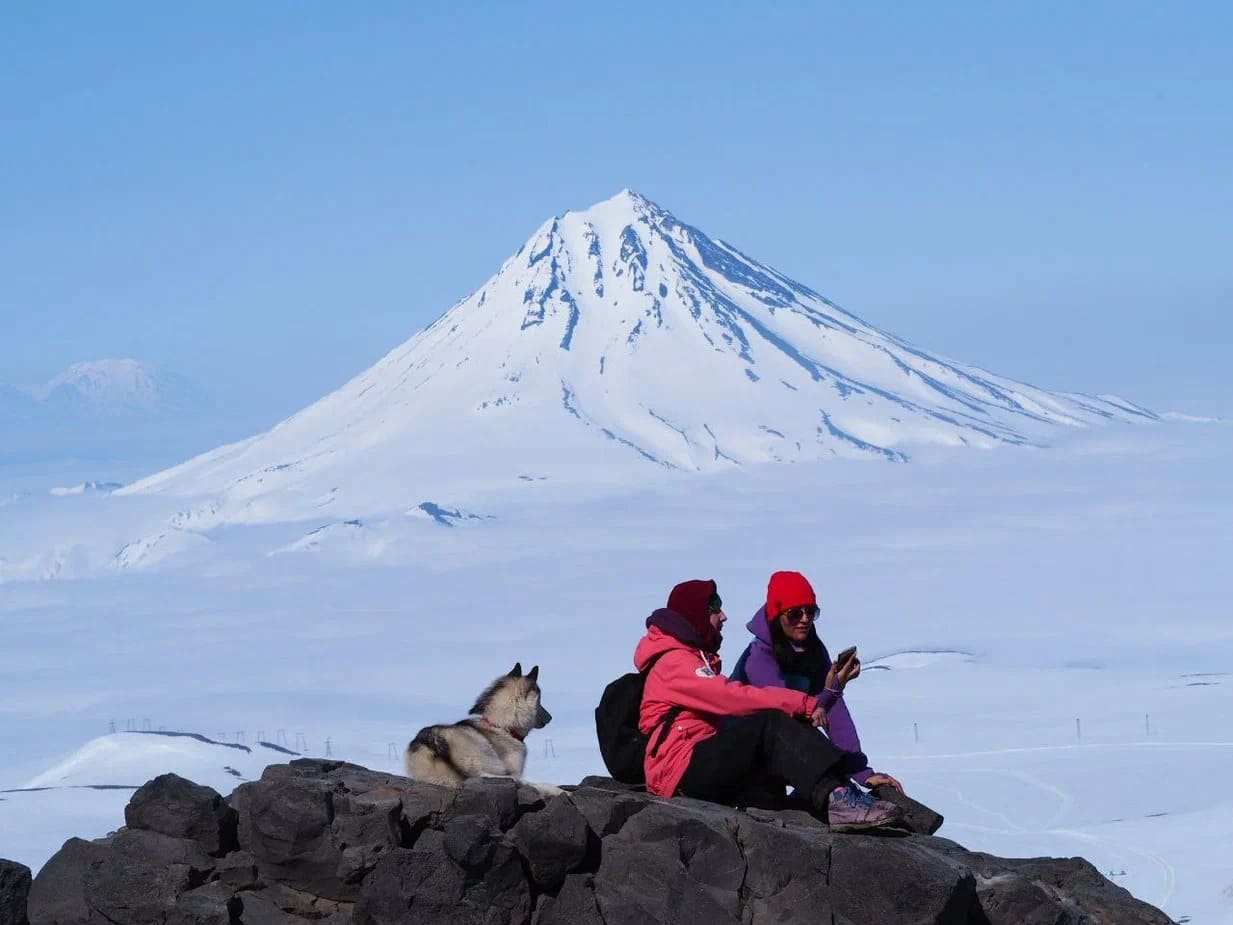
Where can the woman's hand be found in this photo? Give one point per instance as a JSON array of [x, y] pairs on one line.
[[877, 780], [839, 675], [818, 718]]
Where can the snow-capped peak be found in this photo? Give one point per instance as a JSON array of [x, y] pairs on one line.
[[116, 385], [615, 336]]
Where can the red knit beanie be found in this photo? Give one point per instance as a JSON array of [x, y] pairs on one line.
[[786, 590]]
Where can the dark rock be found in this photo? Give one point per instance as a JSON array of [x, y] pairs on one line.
[[1049, 890], [788, 872], [607, 811], [672, 863], [915, 884], [212, 904], [58, 893], [179, 808], [14, 891], [470, 840], [285, 824], [261, 909], [553, 841], [239, 871], [788, 818], [495, 797], [1007, 899], [574, 904], [280, 905], [917, 817], [365, 825], [409, 887], [133, 876], [594, 782], [333, 843], [423, 807]]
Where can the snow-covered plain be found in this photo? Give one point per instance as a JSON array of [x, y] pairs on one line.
[[997, 596]]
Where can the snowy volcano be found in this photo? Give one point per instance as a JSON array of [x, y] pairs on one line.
[[616, 338], [118, 386]]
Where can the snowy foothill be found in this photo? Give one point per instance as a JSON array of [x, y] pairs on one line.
[[86, 793]]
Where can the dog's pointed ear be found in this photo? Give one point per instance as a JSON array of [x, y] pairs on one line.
[[516, 671], [533, 674]]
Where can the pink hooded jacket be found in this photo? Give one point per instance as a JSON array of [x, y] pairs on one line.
[[689, 678]]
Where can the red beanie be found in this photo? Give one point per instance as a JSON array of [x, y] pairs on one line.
[[786, 590], [692, 600]]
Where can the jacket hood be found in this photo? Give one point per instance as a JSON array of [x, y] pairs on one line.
[[656, 642], [760, 626], [682, 628]]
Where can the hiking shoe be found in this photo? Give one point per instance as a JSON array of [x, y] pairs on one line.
[[850, 809]]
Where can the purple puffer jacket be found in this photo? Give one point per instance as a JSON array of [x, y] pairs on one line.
[[759, 668]]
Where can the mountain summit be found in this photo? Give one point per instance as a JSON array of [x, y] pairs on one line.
[[118, 386], [620, 336]]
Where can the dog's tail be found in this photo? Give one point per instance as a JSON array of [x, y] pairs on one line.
[[429, 747]]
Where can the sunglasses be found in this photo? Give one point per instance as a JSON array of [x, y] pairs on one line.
[[715, 604], [797, 614]]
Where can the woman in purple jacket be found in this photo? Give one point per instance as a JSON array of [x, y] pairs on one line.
[[786, 652]]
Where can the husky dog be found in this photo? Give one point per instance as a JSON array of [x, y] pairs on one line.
[[489, 742]]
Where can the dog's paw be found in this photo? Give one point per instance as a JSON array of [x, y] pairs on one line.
[[547, 791]]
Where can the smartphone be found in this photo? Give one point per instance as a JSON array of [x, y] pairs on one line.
[[845, 655]]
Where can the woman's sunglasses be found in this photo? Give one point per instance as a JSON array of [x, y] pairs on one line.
[[799, 614]]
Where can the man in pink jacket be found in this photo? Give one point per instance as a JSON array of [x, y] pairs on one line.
[[730, 743]]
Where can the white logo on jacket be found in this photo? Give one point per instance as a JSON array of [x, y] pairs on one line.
[[705, 672]]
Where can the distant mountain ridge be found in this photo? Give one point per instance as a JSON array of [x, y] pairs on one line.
[[109, 407], [614, 337], [116, 386]]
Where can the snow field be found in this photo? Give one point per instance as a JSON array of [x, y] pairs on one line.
[[1084, 582]]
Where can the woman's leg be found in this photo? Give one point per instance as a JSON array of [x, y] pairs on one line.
[[770, 745]]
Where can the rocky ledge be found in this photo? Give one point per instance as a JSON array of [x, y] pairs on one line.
[[334, 843]]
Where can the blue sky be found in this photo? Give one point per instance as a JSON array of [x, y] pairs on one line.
[[268, 197]]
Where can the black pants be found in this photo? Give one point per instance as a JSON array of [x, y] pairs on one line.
[[753, 759]]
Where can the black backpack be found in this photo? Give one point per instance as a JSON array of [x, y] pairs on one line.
[[623, 746]]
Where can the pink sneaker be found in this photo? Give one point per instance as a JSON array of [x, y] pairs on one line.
[[850, 809]]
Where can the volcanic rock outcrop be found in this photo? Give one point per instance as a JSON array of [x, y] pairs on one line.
[[333, 843]]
